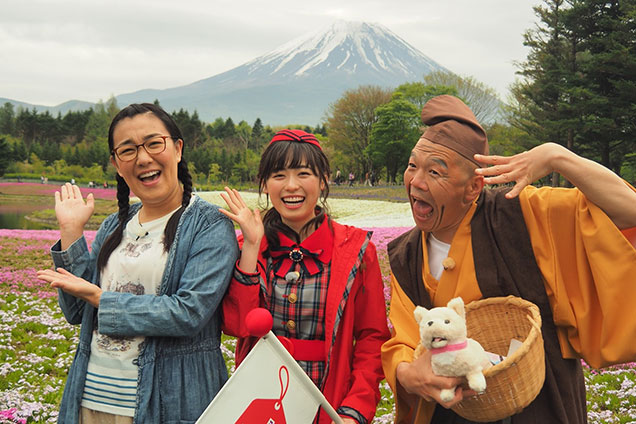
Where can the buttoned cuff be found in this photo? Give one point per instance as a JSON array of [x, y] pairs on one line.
[[64, 258], [347, 411], [246, 278]]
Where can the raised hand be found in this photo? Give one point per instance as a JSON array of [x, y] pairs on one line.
[[250, 221], [251, 226], [72, 212], [72, 285], [523, 168]]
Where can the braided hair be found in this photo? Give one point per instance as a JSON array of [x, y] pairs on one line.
[[123, 191], [292, 154]]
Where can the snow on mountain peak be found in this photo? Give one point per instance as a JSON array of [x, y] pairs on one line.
[[346, 47]]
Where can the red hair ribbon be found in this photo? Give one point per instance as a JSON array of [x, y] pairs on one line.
[[296, 135]]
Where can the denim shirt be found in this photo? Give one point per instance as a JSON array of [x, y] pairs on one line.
[[181, 367]]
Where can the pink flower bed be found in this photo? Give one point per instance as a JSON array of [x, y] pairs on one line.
[[50, 189]]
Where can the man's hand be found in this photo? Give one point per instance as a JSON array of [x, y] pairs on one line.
[[523, 168], [418, 378], [599, 185]]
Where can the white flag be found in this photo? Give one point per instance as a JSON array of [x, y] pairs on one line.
[[269, 387]]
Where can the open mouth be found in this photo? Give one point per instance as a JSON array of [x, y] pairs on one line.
[[149, 176], [438, 340], [293, 200], [421, 208]]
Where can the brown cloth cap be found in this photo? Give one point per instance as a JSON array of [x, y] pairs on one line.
[[453, 124]]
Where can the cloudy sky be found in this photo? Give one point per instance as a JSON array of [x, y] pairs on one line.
[[52, 51]]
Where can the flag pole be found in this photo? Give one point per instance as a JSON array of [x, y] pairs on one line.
[[311, 387]]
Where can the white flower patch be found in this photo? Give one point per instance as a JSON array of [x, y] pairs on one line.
[[357, 212]]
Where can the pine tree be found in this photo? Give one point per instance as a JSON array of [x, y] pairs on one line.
[[578, 88]]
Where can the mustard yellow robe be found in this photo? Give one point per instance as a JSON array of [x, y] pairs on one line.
[[589, 273]]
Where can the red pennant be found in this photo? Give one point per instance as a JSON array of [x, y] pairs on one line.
[[267, 411]]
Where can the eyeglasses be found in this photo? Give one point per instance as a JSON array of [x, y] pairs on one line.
[[128, 152]]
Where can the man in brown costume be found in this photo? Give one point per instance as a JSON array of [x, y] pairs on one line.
[[566, 250]]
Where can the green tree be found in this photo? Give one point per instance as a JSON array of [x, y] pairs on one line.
[[246, 167], [214, 173], [26, 125], [7, 119], [481, 99], [98, 124], [349, 123], [229, 130], [244, 133], [541, 103], [20, 151], [394, 134], [74, 125], [215, 129], [607, 62], [578, 85], [5, 155], [419, 93], [201, 157], [507, 140], [50, 152], [191, 127]]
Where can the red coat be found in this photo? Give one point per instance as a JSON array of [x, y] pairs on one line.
[[354, 370]]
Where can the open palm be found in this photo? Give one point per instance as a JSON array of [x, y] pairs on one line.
[[250, 221], [70, 208]]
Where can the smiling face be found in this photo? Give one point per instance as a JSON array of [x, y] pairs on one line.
[[294, 193], [152, 178], [441, 188]]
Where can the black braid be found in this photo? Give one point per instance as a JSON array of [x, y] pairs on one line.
[[171, 227], [111, 243]]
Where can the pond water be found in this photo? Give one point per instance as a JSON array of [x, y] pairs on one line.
[[13, 216]]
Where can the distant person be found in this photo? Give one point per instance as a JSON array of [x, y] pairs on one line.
[[105, 185], [320, 280], [72, 181], [338, 178], [147, 293], [367, 180], [41, 179], [352, 178], [372, 178]]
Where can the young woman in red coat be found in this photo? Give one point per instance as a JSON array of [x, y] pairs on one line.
[[320, 280]]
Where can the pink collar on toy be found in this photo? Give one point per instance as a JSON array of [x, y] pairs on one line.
[[449, 348]]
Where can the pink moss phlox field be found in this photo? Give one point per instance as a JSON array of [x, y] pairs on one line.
[[36, 376], [10, 415], [50, 189], [24, 280], [48, 235]]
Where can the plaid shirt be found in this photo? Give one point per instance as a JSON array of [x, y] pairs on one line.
[[301, 318], [298, 307]]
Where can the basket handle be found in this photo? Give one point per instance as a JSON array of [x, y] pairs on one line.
[[533, 323]]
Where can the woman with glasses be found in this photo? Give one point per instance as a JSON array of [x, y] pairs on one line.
[[146, 294]]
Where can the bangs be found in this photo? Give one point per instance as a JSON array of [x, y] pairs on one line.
[[290, 154]]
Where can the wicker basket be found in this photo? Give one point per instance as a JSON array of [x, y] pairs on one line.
[[515, 382]]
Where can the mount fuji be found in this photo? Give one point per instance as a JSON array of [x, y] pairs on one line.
[[295, 83]]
